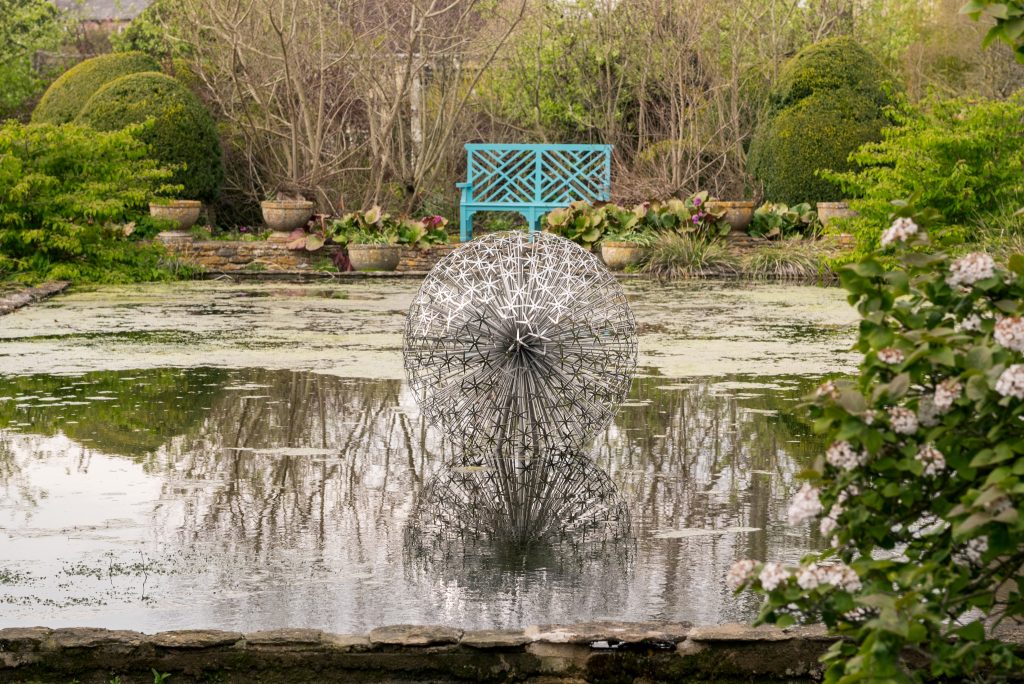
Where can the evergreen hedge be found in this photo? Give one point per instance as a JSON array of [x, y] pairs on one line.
[[66, 96], [828, 101], [180, 133]]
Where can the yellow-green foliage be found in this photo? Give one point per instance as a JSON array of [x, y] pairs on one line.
[[69, 197], [181, 135], [66, 96], [828, 101]]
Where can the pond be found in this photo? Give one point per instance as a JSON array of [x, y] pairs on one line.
[[248, 456]]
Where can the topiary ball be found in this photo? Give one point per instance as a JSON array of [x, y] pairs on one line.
[[829, 66], [182, 132], [66, 96], [819, 132], [828, 101]]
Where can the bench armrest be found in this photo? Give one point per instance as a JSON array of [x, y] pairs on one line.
[[463, 186], [467, 191]]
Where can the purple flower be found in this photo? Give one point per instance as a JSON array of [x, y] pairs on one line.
[[696, 201], [696, 218]]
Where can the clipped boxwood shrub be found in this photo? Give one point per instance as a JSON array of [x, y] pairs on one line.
[[819, 132], [829, 66], [181, 132], [66, 96], [829, 100]]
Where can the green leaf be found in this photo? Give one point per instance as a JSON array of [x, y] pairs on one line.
[[975, 631], [1016, 263]]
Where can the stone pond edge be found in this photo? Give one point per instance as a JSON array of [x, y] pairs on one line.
[[12, 301], [599, 651]]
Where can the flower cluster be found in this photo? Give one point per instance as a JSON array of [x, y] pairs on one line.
[[827, 389], [900, 231], [891, 356], [740, 573], [948, 391], [843, 456], [772, 575], [1011, 382], [902, 420], [970, 323], [971, 268], [838, 575], [830, 522], [1009, 333], [932, 460], [806, 504]]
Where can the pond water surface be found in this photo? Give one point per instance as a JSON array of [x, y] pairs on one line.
[[248, 457]]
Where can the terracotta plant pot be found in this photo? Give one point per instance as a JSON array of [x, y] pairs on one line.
[[738, 214], [284, 216], [618, 255], [183, 212], [828, 211], [374, 257]]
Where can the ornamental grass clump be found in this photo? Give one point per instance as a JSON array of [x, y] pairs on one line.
[[690, 255], [919, 495]]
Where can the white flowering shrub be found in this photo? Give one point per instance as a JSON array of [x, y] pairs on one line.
[[920, 493]]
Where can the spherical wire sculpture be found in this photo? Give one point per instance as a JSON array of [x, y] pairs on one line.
[[519, 344]]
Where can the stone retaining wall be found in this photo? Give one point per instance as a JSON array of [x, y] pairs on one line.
[[227, 256], [595, 652]]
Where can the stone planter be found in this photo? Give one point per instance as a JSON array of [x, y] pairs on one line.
[[374, 257], [828, 211], [618, 255], [183, 212], [738, 214], [284, 216]]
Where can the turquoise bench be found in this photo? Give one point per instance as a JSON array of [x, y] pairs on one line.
[[531, 180]]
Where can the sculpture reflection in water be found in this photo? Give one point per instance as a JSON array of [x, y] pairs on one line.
[[520, 350]]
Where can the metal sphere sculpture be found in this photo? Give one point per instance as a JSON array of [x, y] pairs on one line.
[[519, 344]]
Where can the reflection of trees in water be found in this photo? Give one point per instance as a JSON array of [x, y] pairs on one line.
[[297, 472], [480, 518], [298, 461], [704, 457], [126, 414]]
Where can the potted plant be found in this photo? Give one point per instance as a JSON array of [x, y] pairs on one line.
[[829, 211], [284, 214], [773, 221], [622, 248], [183, 213], [737, 213], [374, 240]]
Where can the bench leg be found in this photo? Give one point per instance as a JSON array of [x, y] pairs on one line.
[[465, 224]]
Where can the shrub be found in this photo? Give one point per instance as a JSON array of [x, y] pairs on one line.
[[828, 101], [182, 133], [68, 200], [783, 221], [690, 255], [921, 493], [962, 157], [66, 96], [831, 66]]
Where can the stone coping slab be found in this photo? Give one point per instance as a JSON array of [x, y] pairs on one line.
[[17, 298], [605, 651], [586, 652]]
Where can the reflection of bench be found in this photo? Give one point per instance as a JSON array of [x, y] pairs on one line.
[[531, 179]]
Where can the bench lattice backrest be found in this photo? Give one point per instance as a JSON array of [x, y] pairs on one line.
[[549, 175]]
